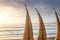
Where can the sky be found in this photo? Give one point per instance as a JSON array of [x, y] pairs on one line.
[[13, 11]]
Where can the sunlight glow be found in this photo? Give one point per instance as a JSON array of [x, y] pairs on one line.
[[9, 15]]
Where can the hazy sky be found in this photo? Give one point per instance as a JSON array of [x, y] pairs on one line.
[[13, 11]]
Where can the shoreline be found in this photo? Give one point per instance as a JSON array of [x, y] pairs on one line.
[[49, 38]]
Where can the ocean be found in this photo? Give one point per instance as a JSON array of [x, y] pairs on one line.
[[16, 32]]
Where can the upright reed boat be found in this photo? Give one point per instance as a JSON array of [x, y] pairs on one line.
[[28, 32], [42, 32], [57, 26]]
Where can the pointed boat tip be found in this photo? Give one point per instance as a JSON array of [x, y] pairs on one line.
[[53, 8], [55, 11], [59, 14], [35, 8], [37, 11], [25, 5], [56, 14]]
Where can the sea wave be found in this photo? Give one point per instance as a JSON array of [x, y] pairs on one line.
[[19, 31]]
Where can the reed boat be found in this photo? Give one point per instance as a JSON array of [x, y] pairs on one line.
[[28, 32], [42, 32], [57, 26]]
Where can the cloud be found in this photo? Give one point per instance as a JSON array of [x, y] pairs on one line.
[[53, 3], [15, 3]]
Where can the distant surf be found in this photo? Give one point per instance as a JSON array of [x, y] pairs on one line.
[[8, 32]]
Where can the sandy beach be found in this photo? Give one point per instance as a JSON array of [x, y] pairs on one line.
[[50, 38]]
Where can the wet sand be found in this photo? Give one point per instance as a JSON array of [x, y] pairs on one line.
[[50, 38]]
